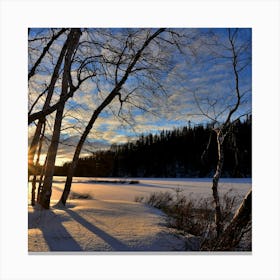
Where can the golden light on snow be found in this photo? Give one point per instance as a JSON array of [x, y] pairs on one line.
[[110, 219]]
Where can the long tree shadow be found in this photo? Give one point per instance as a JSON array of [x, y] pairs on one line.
[[112, 241], [56, 236]]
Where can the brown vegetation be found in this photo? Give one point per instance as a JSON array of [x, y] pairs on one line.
[[197, 217]]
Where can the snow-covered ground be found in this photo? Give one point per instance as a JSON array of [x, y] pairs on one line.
[[111, 220]]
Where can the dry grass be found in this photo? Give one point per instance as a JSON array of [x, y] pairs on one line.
[[194, 216]]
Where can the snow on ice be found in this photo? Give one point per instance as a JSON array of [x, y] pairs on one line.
[[110, 220]]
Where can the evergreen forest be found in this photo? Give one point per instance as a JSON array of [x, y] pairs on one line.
[[182, 152]]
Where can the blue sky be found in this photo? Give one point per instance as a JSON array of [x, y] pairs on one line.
[[200, 71]]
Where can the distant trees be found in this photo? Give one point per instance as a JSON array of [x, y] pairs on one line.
[[174, 153]]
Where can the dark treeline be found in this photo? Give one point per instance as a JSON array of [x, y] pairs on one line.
[[182, 152]]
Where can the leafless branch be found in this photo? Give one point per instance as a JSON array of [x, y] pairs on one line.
[[45, 50]]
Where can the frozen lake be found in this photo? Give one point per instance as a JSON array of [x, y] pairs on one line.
[[110, 219], [197, 187]]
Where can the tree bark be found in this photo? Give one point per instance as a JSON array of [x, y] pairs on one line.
[[47, 185], [33, 191], [73, 40], [34, 143], [40, 184], [216, 178]]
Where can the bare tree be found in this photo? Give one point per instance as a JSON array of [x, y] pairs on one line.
[[72, 43], [129, 57], [68, 63], [223, 130], [225, 116], [50, 90]]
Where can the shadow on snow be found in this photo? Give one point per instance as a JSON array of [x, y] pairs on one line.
[[59, 239]]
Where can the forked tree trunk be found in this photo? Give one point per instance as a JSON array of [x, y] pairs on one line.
[[46, 192], [33, 190], [238, 225], [216, 178]]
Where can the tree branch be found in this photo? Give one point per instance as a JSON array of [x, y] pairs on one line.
[[45, 50]]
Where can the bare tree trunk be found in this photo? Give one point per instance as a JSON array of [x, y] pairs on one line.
[[45, 195], [216, 178], [40, 184], [49, 170], [33, 191], [238, 225], [70, 174], [75, 159], [221, 133], [34, 143]]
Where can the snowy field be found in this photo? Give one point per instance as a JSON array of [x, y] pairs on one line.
[[110, 219]]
